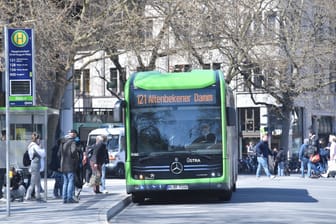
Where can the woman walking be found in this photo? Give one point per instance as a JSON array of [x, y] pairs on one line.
[[36, 153]]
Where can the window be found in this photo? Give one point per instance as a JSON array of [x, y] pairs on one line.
[[257, 24], [215, 66], [257, 77], [114, 78], [82, 81], [182, 68], [325, 125], [77, 80], [250, 120], [270, 24], [206, 66], [146, 32], [86, 81]]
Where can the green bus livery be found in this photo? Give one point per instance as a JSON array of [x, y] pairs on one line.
[[180, 134]]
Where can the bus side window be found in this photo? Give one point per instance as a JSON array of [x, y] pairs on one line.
[[230, 116]]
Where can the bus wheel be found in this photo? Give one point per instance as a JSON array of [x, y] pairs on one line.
[[137, 198], [120, 172], [225, 195]]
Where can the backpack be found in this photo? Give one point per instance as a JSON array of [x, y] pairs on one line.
[[89, 152], [26, 160], [309, 151]]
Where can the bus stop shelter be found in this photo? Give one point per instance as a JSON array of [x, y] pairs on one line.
[[23, 121]]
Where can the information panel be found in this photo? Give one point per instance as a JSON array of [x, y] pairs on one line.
[[143, 98], [20, 67]]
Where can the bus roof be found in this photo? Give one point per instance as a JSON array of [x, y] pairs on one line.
[[107, 131], [154, 80]]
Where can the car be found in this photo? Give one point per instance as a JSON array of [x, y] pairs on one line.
[[116, 148]]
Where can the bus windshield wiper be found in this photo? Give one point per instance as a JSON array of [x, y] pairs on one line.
[[151, 156]]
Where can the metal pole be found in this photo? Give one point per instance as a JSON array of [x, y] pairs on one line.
[[45, 134], [7, 123]]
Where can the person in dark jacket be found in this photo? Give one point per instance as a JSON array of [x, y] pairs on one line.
[[68, 153], [280, 159], [97, 160], [55, 168], [263, 151]]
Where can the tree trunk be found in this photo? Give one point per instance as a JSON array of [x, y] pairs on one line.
[[285, 140], [53, 119]]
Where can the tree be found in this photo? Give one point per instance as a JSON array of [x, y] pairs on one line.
[[62, 28], [282, 48]]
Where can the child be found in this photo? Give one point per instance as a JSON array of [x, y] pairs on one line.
[[17, 189]]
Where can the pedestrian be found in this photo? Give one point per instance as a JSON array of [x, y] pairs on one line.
[[263, 151], [304, 158], [2, 162], [36, 153], [313, 139], [280, 159], [55, 166], [106, 161], [17, 188], [275, 161], [68, 153], [97, 160], [332, 158], [87, 154]]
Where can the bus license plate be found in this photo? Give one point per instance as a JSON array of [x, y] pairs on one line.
[[177, 187]]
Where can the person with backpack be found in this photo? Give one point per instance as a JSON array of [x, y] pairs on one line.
[[36, 153], [69, 155], [304, 156]]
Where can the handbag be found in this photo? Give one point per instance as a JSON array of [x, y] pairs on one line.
[[94, 179], [315, 158]]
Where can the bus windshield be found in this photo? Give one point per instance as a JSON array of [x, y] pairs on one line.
[[176, 129]]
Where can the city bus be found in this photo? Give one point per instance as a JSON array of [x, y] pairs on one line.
[[181, 134]]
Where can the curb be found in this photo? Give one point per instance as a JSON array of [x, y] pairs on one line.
[[118, 208]]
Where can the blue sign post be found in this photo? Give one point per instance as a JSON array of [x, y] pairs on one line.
[[19, 45], [20, 67]]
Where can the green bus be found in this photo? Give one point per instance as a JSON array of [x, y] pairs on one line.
[[181, 134]]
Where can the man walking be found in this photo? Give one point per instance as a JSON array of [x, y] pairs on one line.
[[262, 151], [69, 162]]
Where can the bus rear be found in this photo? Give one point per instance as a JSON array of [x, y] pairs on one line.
[[176, 134]]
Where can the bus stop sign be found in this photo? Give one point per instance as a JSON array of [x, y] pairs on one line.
[[20, 67]]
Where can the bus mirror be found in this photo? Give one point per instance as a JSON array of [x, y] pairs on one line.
[[118, 111], [231, 116]]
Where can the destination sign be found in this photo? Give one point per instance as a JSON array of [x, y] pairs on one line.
[[176, 97]]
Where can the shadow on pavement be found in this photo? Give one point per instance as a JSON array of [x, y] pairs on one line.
[[248, 195]]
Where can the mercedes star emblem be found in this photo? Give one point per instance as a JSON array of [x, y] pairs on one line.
[[176, 167]]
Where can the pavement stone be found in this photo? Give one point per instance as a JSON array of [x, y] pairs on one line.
[[92, 208]]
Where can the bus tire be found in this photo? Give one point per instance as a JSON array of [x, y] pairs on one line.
[[225, 195], [137, 198]]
